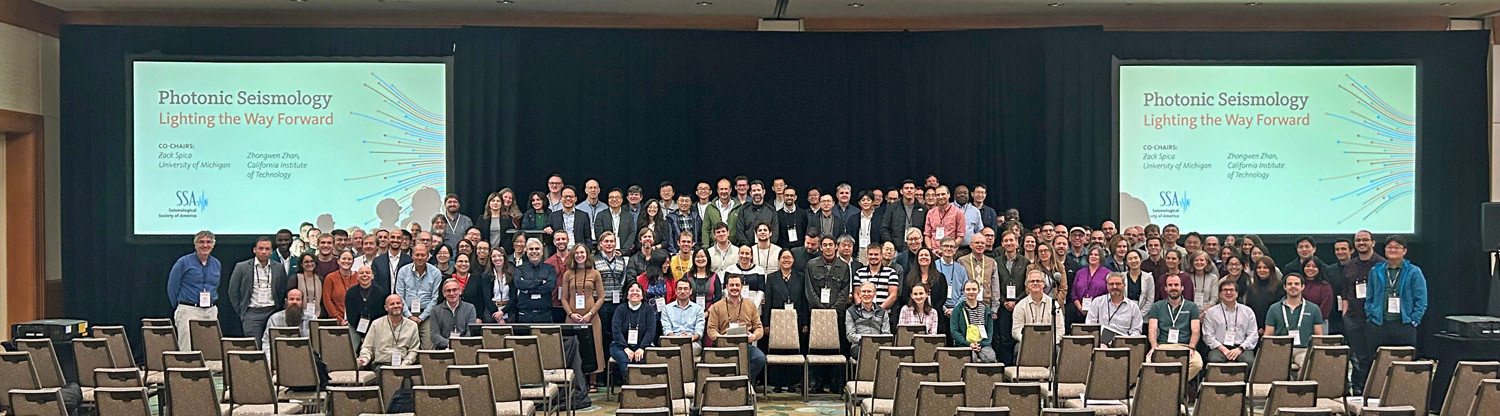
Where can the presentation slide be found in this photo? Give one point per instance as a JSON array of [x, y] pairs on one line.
[[1268, 149], [252, 147]]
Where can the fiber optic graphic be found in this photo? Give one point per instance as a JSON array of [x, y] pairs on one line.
[[414, 147], [1386, 149]]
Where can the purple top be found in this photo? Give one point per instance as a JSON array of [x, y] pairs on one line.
[[1086, 286]]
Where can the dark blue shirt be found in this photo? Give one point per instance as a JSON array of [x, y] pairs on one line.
[[644, 320], [190, 277]]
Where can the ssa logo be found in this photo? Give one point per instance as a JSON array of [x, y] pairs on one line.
[[192, 199], [1174, 199]]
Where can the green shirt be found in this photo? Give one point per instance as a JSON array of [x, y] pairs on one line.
[[1168, 318], [1283, 319]]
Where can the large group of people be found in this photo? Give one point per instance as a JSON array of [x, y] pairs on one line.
[[717, 261]]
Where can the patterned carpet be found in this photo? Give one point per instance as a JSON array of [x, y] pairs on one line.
[[774, 405]]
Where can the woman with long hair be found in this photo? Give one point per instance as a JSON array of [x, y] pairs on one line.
[[336, 285], [481, 263], [462, 269], [1117, 246], [919, 310], [924, 272], [1265, 289], [654, 278], [1051, 265], [1205, 277], [535, 218], [652, 218], [1028, 247], [1316, 289], [1137, 279], [1171, 265], [444, 258], [311, 285], [1234, 270], [583, 291], [702, 278], [499, 217], [490, 291]]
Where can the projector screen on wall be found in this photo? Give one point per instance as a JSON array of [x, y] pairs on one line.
[[252, 147], [1268, 149]]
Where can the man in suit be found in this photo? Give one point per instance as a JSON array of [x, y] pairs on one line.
[[616, 219], [574, 221], [256, 289], [386, 265]]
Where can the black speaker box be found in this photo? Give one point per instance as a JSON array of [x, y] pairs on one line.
[[1489, 225]]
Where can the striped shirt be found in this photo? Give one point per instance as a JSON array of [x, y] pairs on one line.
[[883, 279]]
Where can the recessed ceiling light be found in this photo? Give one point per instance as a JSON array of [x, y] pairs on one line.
[[504, 1], [856, 5], [705, 3], [1057, 4], [1253, 4], [1446, 3]]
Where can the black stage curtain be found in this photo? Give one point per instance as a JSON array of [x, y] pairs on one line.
[[110, 279], [1453, 162]]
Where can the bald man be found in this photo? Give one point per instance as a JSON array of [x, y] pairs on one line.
[[392, 339]]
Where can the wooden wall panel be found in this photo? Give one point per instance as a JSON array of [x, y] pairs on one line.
[[31, 15], [25, 239]]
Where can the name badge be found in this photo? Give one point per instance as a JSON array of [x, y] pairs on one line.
[[986, 334], [1231, 336], [1393, 305], [1085, 305], [788, 306], [1010, 292], [416, 309], [1296, 335], [615, 295], [791, 235], [733, 325], [824, 296], [204, 300], [633, 336], [453, 334], [1360, 291], [578, 302], [395, 358], [940, 233], [535, 296], [702, 301], [661, 303], [363, 326], [1172, 336]]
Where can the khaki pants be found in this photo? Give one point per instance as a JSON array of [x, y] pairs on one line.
[[424, 332], [1195, 362], [185, 313]]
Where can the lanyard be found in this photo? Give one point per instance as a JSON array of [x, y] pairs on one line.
[[1122, 306], [579, 283], [609, 265], [1179, 310], [1224, 311], [1036, 313], [1288, 321]]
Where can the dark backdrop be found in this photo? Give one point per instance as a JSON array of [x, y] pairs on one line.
[[1026, 111]]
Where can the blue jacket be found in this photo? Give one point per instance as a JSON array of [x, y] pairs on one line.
[[644, 320], [1412, 291]]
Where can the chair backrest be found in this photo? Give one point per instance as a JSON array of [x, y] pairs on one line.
[[979, 379], [118, 377], [204, 336], [312, 330], [648, 374], [1138, 345], [889, 363], [1073, 358], [706, 371], [337, 348], [1109, 374], [182, 359], [1159, 391], [435, 366], [192, 392], [354, 400], [672, 358], [121, 401], [1329, 366], [283, 332], [865, 366], [1221, 398], [1326, 341], [940, 398], [238, 344], [167, 322], [909, 378], [494, 336], [1298, 411], [1226, 372], [295, 365], [393, 376], [528, 359], [724, 355], [1022, 399], [1466, 378], [1087, 329], [1273, 360], [550, 342], [950, 358], [247, 378], [1036, 346], [726, 391], [645, 396], [466, 349], [982, 411], [1068, 412], [927, 346], [44, 359], [157, 340], [740, 342], [1487, 401], [728, 411], [904, 333], [784, 336], [659, 411], [474, 381], [1286, 394], [44, 402], [685, 345], [504, 383], [119, 345], [1389, 411], [89, 354], [16, 372], [1384, 356], [439, 400], [1407, 383], [824, 321]]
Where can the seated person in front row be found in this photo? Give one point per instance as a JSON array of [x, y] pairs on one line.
[[634, 329], [1229, 327], [1115, 314], [1294, 316], [969, 324], [735, 315], [292, 316], [865, 318], [1036, 308], [452, 317], [532, 288], [684, 317], [392, 340], [1174, 324]]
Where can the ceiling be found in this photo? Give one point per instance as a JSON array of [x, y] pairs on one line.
[[826, 8]]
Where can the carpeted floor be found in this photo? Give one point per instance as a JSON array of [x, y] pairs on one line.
[[773, 405]]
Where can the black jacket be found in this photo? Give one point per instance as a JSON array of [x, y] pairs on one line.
[[752, 214], [583, 229], [894, 224]]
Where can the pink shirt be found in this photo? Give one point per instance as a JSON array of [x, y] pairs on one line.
[[909, 315], [950, 219]]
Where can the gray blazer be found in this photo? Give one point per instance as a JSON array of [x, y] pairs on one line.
[[242, 284], [625, 239]]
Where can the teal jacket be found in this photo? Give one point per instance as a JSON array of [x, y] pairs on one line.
[[958, 326], [1412, 289]]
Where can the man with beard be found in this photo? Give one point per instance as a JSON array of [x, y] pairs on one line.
[[1117, 315], [1356, 324], [289, 317], [1174, 324], [757, 210], [392, 340]]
